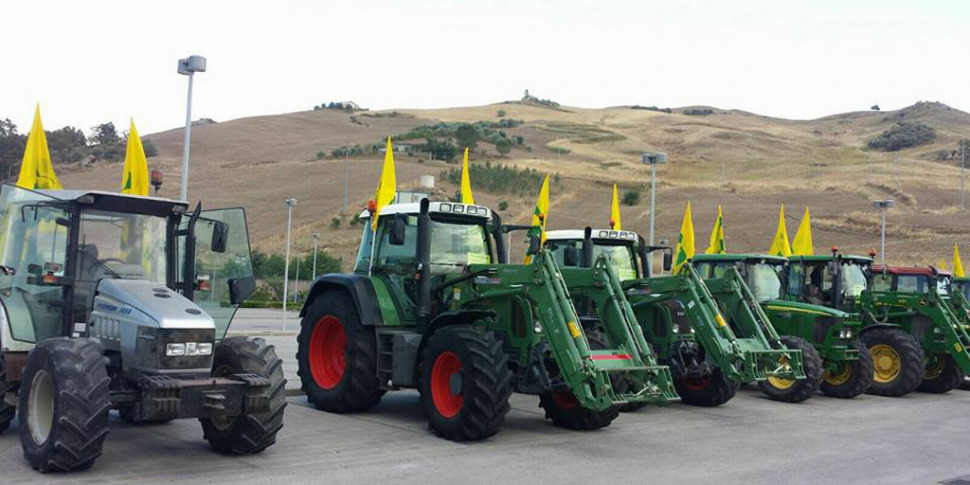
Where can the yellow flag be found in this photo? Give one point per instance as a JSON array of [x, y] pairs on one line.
[[942, 266], [685, 242], [36, 170], [134, 180], [615, 223], [466, 183], [779, 245], [802, 245], [387, 187], [539, 216], [957, 263], [717, 236]]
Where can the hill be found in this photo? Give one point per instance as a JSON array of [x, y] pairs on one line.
[[746, 162]]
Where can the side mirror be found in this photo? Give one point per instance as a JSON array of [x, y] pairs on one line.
[[668, 260], [570, 256], [534, 245], [398, 227], [220, 237]]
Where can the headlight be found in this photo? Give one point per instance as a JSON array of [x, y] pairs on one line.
[[676, 328], [537, 327], [174, 350], [188, 348], [845, 334], [204, 348]]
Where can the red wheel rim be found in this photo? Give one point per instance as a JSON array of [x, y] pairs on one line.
[[446, 402], [697, 384], [565, 400], [327, 352]]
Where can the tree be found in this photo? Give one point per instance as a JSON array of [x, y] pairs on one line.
[[874, 107], [105, 134], [501, 113], [467, 136], [150, 150], [11, 147], [631, 197], [503, 146]]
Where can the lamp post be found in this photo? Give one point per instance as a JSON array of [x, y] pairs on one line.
[[188, 67], [882, 205], [290, 204], [653, 159], [316, 241]]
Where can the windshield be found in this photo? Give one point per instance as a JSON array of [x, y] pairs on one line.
[[123, 246], [620, 256], [943, 285], [455, 245], [765, 282], [962, 287], [853, 279]]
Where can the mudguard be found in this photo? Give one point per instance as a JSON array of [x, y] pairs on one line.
[[359, 287]]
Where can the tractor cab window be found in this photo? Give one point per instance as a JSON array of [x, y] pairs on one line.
[[819, 284], [558, 250], [943, 284], [912, 284], [455, 245], [765, 281], [853, 280], [719, 270], [962, 287], [620, 256], [703, 269], [223, 279], [796, 273], [33, 241], [882, 282]]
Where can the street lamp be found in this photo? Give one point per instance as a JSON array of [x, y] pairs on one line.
[[290, 204], [316, 241], [883, 205], [653, 159], [188, 67]]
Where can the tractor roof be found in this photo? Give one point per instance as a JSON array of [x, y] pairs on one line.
[[739, 257], [598, 234], [909, 270], [477, 211], [121, 203], [829, 257]]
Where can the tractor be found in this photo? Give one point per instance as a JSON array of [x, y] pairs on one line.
[[432, 304], [121, 302], [708, 355], [844, 366]]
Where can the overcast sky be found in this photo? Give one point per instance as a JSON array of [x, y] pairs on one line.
[[90, 62]]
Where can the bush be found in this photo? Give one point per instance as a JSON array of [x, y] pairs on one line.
[[501, 113], [150, 150], [321, 155], [335, 223], [498, 178], [503, 205], [698, 112], [903, 135], [631, 197], [652, 108]]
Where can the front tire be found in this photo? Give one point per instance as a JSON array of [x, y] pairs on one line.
[[897, 361], [337, 356], [852, 377], [941, 375], [796, 390], [251, 433], [64, 402], [707, 391]]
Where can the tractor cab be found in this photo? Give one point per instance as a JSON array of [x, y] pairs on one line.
[[764, 274], [912, 280], [619, 247], [834, 281], [961, 285]]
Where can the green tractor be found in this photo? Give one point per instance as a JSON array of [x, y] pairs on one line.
[[438, 308], [839, 360], [709, 356]]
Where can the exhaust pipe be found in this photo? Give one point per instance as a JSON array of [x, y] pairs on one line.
[[423, 258]]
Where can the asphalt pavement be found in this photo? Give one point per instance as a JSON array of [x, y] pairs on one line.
[[920, 438]]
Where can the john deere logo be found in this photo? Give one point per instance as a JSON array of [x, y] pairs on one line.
[[922, 302]]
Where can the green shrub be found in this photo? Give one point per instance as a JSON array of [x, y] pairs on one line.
[[501, 113], [150, 150], [498, 178], [321, 155], [631, 197], [903, 135], [698, 112], [503, 147], [335, 223], [503, 205]]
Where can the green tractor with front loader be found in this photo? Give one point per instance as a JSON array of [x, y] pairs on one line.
[[113, 301], [432, 304], [709, 356], [842, 365]]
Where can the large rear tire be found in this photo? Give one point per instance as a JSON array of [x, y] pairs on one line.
[[465, 383], [708, 391], [64, 402], [941, 375], [796, 390], [7, 391], [251, 433], [337, 356], [897, 361], [852, 377]]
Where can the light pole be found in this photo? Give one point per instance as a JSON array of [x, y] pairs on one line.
[[653, 159], [316, 240], [963, 173], [188, 67], [290, 203], [883, 205], [296, 284]]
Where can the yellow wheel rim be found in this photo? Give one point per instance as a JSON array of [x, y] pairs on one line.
[[886, 363], [839, 377], [934, 368], [781, 383]]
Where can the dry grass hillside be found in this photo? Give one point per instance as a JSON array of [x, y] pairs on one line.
[[746, 162]]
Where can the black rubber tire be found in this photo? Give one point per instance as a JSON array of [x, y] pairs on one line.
[[80, 401], [485, 383], [712, 391], [911, 361], [860, 375], [251, 433], [802, 389], [563, 410], [358, 388], [948, 379], [7, 411]]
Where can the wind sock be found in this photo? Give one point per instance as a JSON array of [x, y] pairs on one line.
[[717, 235], [539, 215], [134, 181], [387, 187], [780, 245], [957, 263], [36, 170], [802, 245], [466, 183], [615, 223], [685, 242]]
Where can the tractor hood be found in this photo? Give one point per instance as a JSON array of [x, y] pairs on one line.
[[805, 308], [154, 301]]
